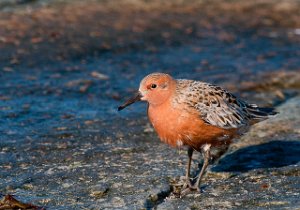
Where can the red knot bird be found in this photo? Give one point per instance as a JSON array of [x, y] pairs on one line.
[[198, 115]]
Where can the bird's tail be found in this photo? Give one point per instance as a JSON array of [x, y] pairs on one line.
[[260, 113]]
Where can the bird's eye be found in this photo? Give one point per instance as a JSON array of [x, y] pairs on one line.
[[153, 86]]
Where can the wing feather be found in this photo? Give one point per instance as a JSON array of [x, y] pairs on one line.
[[217, 106]]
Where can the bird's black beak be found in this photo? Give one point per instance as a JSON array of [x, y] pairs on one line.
[[130, 101]]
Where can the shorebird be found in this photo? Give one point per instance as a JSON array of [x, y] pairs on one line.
[[197, 115]]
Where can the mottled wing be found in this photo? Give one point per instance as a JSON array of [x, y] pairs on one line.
[[222, 109], [216, 106]]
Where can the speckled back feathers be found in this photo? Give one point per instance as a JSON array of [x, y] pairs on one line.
[[216, 106]]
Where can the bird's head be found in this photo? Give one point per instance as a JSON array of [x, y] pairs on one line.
[[155, 88]]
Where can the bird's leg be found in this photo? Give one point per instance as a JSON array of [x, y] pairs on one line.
[[206, 157], [187, 175], [186, 188]]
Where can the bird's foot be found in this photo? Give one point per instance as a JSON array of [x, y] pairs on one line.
[[187, 184], [189, 189]]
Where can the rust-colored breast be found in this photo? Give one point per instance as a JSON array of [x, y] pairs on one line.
[[178, 126]]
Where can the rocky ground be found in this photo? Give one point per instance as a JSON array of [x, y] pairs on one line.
[[66, 65]]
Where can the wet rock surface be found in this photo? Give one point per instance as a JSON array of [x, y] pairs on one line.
[[66, 66]]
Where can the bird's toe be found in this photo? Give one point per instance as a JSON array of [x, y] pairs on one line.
[[189, 189], [187, 184]]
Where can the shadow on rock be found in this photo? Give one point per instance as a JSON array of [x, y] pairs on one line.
[[268, 155]]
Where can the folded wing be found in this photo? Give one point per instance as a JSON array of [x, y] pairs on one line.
[[218, 107]]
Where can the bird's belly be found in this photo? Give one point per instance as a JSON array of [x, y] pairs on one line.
[[168, 130], [178, 128]]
